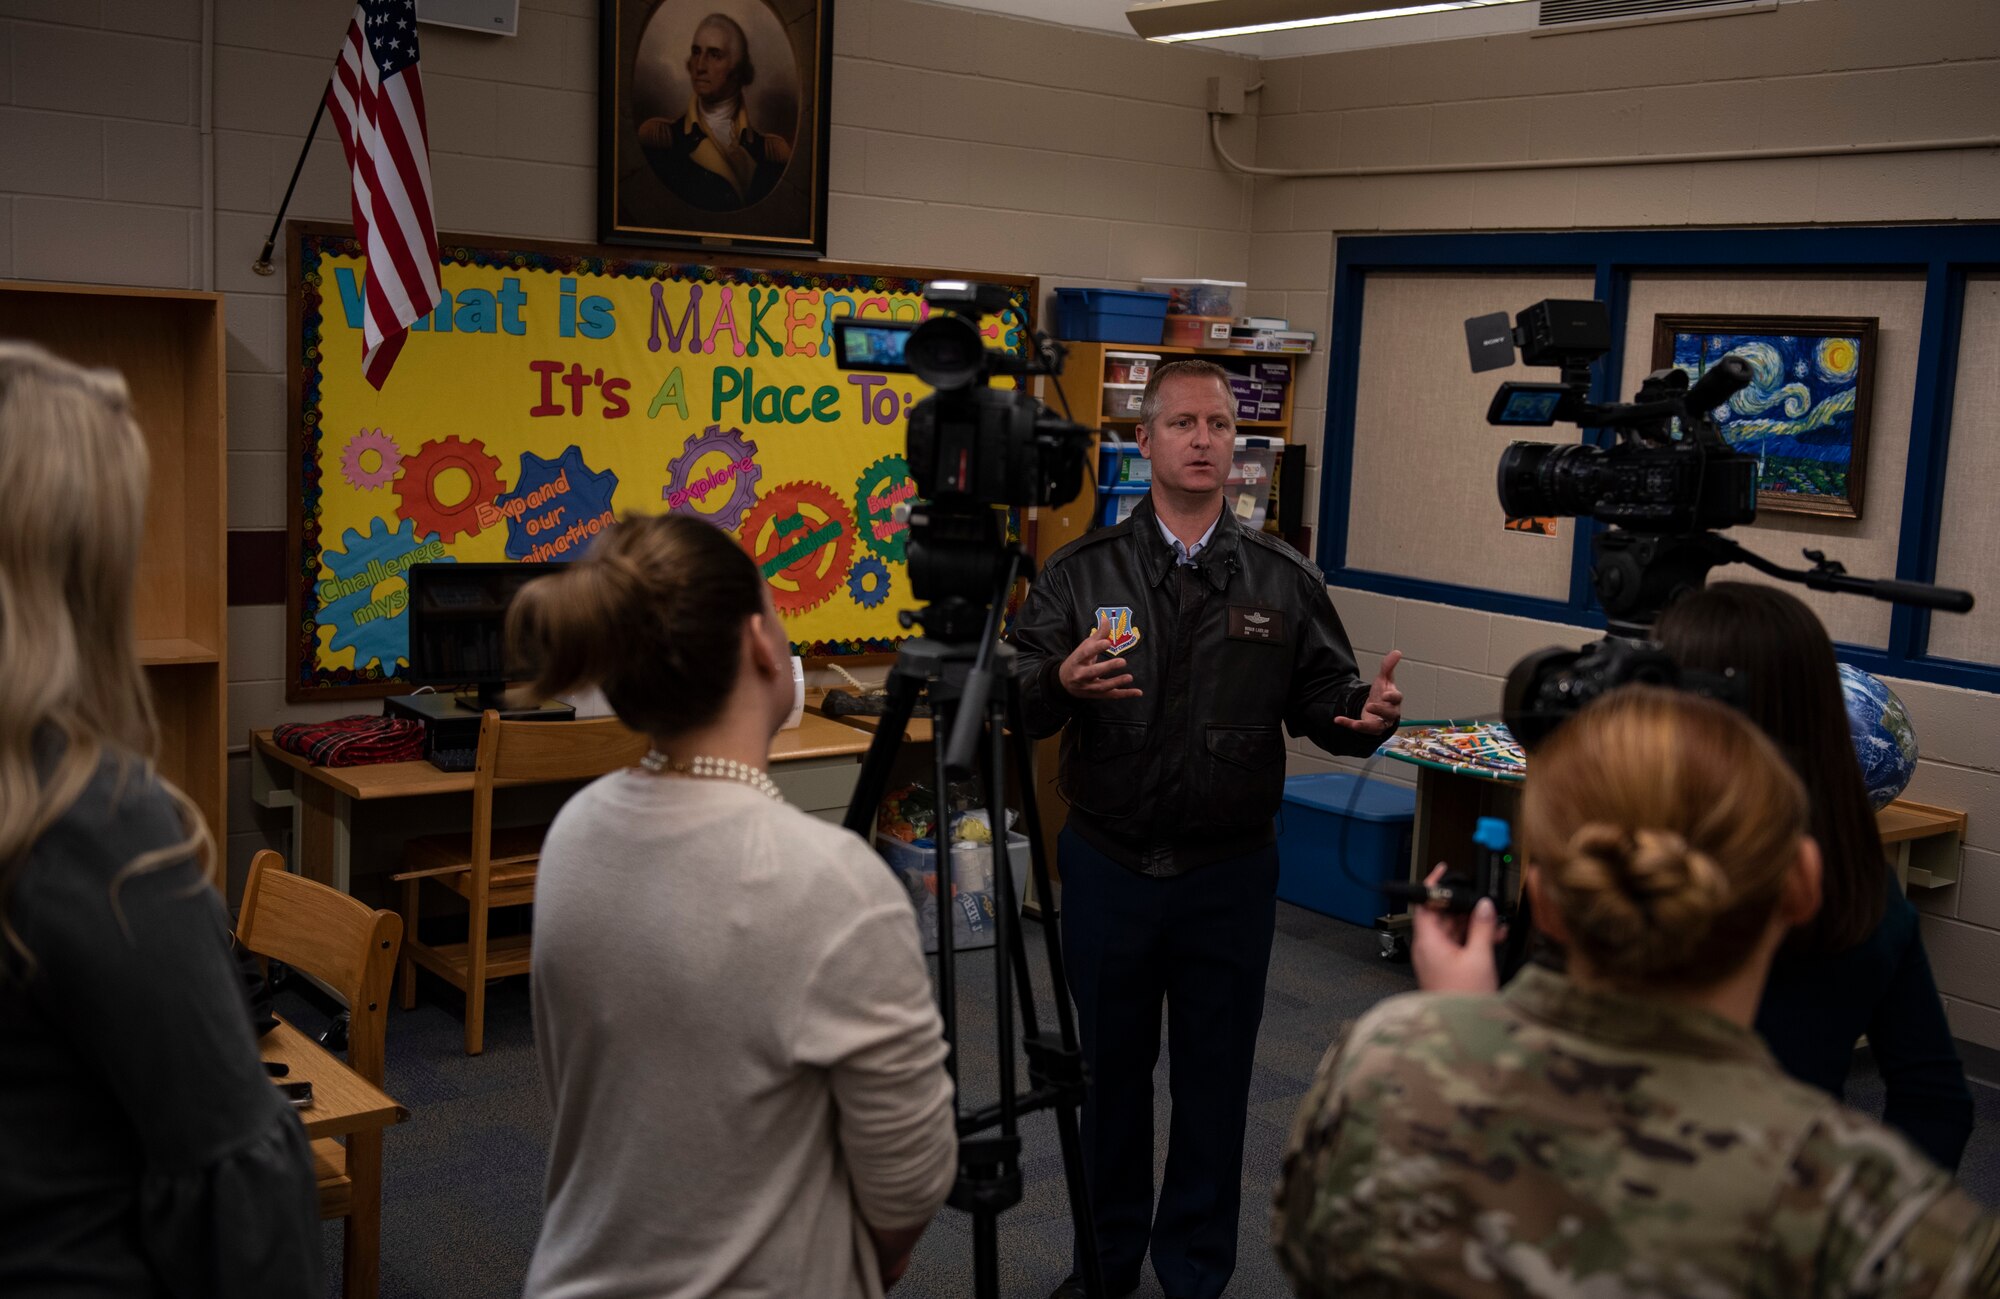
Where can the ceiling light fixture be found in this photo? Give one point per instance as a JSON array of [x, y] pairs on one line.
[[1202, 20]]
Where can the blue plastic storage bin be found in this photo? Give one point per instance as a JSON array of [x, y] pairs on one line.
[[1115, 504], [1318, 825], [1120, 465], [1111, 315]]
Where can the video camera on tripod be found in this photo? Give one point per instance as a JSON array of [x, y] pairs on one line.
[[973, 449]]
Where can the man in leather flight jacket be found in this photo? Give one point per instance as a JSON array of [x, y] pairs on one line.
[[1169, 649]]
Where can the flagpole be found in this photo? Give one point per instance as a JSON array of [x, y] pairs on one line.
[[263, 263]]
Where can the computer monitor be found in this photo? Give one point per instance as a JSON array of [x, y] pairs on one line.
[[458, 626]]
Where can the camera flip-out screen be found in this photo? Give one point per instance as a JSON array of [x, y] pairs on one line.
[[1526, 403], [872, 345]]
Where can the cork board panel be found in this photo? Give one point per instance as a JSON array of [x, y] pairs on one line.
[[1424, 501], [1967, 555], [1867, 545]]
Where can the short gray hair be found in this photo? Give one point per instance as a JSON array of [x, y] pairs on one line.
[[1192, 368]]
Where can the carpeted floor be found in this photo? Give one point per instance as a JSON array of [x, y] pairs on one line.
[[463, 1177]]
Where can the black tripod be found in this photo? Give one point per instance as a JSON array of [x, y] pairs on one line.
[[958, 668]]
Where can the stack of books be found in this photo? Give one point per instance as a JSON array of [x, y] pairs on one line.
[[1269, 334]]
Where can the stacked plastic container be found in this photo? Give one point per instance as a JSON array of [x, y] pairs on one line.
[[973, 893], [1111, 315], [1200, 313]]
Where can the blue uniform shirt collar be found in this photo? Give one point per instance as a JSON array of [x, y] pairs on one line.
[[1216, 559], [1184, 554]]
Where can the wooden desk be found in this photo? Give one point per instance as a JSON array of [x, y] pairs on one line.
[[814, 765], [917, 732], [1922, 843], [344, 1105]]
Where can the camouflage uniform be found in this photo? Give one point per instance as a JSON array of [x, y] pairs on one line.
[[1554, 1141]]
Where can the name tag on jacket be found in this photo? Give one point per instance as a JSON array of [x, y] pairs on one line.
[[1247, 622]]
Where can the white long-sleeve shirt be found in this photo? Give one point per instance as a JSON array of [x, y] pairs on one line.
[[737, 1034]]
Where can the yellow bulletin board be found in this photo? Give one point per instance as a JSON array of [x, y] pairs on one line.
[[558, 387]]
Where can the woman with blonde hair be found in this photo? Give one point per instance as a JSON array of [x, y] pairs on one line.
[[1619, 1128], [732, 1012], [143, 1151]]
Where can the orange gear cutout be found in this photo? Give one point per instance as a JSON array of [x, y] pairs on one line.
[[802, 537], [416, 487]]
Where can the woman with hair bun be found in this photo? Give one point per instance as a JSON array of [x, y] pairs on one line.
[[732, 1011], [1618, 1128]]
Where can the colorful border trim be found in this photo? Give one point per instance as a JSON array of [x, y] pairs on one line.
[[314, 247]]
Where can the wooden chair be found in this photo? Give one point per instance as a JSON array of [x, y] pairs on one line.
[[351, 948], [492, 868]]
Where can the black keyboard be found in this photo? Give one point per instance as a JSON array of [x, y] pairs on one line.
[[454, 759]]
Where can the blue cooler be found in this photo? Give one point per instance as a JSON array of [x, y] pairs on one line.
[[1317, 824]]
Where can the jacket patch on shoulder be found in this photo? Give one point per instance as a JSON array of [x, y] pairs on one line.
[[1124, 634], [1248, 622]]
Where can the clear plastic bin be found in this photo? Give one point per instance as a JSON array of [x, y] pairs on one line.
[[1247, 494], [1130, 367], [972, 918], [1222, 298], [1122, 400]]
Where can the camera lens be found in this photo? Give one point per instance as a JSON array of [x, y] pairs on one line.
[[1544, 478], [946, 352]]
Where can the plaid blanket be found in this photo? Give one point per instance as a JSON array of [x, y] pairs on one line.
[[353, 741]]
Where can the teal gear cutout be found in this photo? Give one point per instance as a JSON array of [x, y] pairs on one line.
[[888, 476], [868, 581], [382, 639]]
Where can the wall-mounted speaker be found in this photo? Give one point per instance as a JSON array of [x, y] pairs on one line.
[[498, 17]]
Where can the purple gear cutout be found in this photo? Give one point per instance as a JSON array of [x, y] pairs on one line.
[[714, 440], [370, 439]]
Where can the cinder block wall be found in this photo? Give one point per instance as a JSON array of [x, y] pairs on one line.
[[1830, 71], [966, 139], [960, 140]]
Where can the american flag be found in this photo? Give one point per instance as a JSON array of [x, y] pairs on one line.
[[378, 107]]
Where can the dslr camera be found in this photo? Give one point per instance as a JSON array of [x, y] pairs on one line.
[[971, 447]]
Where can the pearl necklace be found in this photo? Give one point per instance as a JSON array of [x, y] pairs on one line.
[[706, 768]]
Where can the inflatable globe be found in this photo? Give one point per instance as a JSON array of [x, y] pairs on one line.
[[1884, 740]]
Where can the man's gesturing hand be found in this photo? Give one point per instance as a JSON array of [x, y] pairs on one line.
[[1087, 678], [1384, 708]]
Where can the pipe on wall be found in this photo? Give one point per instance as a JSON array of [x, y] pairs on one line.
[[1560, 164], [208, 144]]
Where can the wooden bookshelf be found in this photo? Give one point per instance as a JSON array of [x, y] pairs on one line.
[[169, 345]]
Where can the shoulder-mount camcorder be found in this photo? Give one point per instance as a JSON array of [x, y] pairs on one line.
[[1663, 487], [1668, 470]]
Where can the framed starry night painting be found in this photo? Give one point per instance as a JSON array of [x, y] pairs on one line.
[[1804, 415]]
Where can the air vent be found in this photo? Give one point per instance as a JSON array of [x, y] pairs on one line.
[[1570, 13]]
